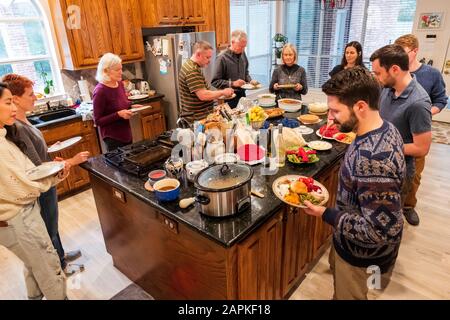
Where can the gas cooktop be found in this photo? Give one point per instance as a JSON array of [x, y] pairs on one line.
[[139, 158]]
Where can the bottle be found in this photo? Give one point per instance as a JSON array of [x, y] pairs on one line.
[[268, 146], [280, 148]]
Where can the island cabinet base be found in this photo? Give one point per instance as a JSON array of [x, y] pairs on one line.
[[171, 260]]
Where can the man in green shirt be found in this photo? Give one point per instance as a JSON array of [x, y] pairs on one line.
[[195, 93]]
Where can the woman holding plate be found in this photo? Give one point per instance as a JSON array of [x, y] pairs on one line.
[[22, 230], [36, 150], [289, 79]]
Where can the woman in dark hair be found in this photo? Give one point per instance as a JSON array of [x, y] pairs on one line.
[[22, 230], [353, 56], [36, 150]]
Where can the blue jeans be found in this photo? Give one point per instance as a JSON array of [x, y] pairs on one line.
[[49, 212]]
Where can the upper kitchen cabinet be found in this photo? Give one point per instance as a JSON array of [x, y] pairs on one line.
[[125, 24], [222, 23], [87, 29], [173, 12]]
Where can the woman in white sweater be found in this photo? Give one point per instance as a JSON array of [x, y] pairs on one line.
[[22, 229]]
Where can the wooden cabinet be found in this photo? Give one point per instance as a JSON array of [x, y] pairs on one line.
[[78, 177], [125, 25], [153, 121], [222, 23], [87, 29], [173, 12], [259, 262], [305, 237]]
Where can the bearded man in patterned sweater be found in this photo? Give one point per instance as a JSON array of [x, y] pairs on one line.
[[367, 221]]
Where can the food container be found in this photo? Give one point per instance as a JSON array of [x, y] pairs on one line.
[[194, 167], [266, 99], [222, 190], [290, 105], [167, 189], [256, 125], [156, 175], [318, 107]]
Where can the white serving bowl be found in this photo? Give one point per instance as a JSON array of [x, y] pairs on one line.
[[318, 107], [290, 105], [266, 99]]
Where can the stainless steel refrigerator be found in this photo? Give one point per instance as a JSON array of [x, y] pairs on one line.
[[164, 56]]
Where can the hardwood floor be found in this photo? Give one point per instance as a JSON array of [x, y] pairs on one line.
[[421, 271]]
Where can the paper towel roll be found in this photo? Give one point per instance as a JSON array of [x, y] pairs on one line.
[[84, 90]]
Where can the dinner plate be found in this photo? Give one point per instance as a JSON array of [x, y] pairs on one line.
[[318, 121], [286, 86], [134, 110], [227, 98], [138, 96], [280, 190], [318, 133], [320, 145], [249, 86], [64, 144], [352, 137], [303, 130], [45, 170]]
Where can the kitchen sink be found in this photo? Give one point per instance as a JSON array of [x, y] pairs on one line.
[[58, 114], [51, 116]]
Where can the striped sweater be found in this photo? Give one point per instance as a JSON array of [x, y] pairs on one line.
[[191, 80], [368, 222]]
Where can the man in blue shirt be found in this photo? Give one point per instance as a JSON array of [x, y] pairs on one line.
[[433, 83], [407, 105]]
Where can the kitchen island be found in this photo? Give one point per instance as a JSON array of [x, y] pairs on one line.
[[261, 253]]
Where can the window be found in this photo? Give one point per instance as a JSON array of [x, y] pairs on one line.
[[26, 44], [320, 34], [256, 18]]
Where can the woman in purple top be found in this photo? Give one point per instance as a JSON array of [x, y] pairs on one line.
[[111, 105]]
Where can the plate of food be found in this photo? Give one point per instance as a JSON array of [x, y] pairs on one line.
[[45, 170], [309, 119], [345, 137], [64, 144], [320, 145], [274, 113], [249, 86], [227, 98], [295, 189], [287, 86], [301, 155], [327, 132], [134, 110]]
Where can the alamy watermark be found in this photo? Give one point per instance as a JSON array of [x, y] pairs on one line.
[[74, 17]]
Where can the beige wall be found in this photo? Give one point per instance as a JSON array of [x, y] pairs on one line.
[[433, 50]]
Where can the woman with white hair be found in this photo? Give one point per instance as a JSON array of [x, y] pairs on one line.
[[111, 105]]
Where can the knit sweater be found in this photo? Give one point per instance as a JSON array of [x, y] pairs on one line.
[[16, 190], [368, 223]]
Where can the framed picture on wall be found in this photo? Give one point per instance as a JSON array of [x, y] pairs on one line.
[[430, 20]]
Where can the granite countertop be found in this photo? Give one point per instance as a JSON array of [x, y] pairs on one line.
[[229, 230], [155, 97]]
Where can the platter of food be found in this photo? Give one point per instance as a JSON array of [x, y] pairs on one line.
[[309, 119], [295, 189], [346, 137], [274, 113], [301, 155], [327, 132]]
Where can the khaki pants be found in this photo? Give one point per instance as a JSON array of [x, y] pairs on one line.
[[411, 200], [350, 282], [28, 239]]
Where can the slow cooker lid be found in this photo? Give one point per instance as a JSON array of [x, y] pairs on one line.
[[224, 176]]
